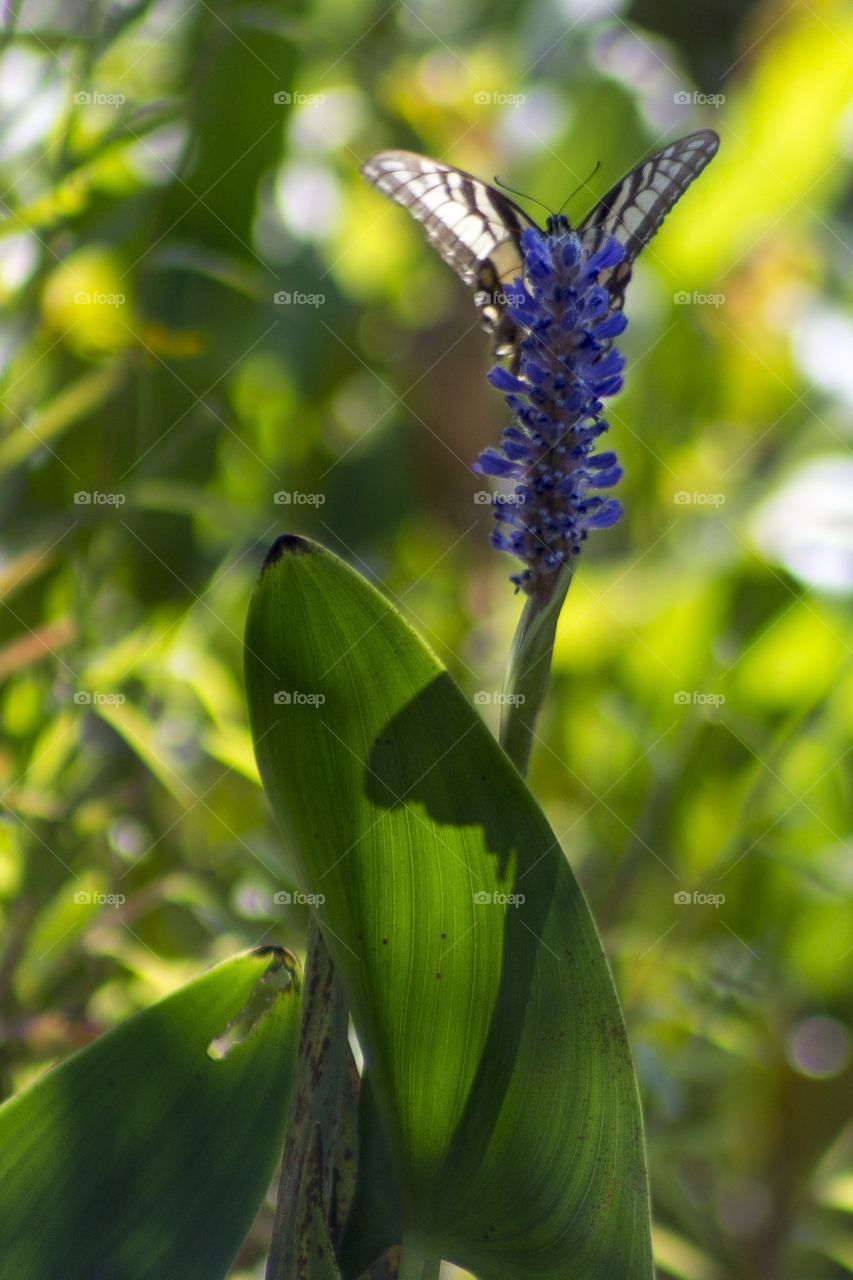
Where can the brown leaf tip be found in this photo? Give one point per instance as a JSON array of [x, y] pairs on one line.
[[289, 544]]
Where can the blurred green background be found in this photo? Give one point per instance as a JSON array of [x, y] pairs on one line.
[[168, 169]]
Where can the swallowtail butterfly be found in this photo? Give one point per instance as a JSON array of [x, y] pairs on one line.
[[477, 229]]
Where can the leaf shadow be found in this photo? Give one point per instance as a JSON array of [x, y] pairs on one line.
[[434, 756]]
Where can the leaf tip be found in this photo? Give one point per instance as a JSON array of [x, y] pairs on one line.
[[289, 544], [281, 977]]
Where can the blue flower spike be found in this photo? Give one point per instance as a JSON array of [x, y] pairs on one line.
[[567, 367]]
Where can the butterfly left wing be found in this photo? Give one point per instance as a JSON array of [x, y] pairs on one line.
[[474, 228], [634, 209]]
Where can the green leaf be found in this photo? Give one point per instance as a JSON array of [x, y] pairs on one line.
[[147, 1154], [468, 958]]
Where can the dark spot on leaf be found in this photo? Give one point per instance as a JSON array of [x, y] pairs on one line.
[[288, 544]]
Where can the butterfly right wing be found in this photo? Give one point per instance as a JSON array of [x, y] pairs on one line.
[[474, 228], [633, 210]]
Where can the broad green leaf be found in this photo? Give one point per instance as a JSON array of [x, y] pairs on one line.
[[474, 974], [143, 1155]]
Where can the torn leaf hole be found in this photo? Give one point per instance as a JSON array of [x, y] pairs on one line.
[[281, 977]]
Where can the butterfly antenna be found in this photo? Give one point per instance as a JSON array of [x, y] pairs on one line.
[[532, 199], [580, 184]]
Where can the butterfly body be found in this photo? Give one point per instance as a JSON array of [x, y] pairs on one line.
[[477, 230]]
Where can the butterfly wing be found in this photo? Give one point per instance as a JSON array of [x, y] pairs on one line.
[[477, 230], [472, 225], [634, 209]]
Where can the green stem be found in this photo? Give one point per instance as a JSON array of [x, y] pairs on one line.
[[529, 669], [318, 1097]]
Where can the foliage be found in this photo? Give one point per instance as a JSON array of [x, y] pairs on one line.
[[153, 1146], [700, 707]]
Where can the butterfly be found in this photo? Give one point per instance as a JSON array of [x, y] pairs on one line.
[[477, 229]]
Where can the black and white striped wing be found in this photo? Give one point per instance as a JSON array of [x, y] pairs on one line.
[[472, 225], [634, 209]]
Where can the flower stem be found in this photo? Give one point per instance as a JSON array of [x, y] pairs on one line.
[[529, 669]]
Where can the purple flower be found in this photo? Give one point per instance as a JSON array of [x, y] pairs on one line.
[[567, 366]]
